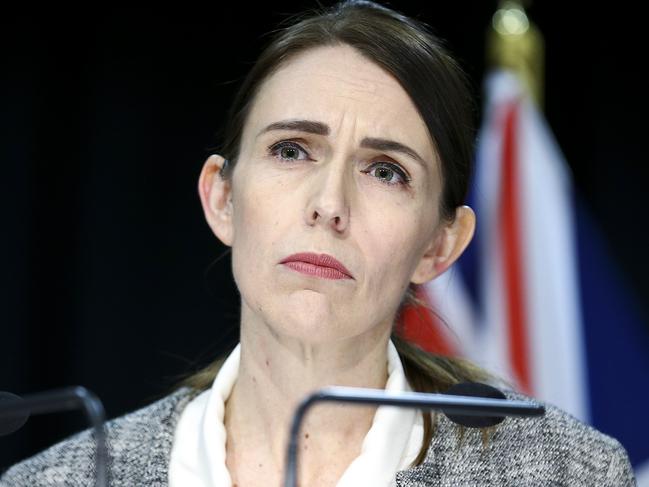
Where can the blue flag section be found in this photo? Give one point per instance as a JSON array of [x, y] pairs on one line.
[[617, 347]]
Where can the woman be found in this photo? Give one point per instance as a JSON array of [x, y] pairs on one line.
[[339, 187]]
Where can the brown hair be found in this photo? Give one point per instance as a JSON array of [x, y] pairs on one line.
[[408, 50]]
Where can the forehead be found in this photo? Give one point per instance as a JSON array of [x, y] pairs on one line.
[[341, 88]]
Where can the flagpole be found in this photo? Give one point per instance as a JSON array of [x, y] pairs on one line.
[[515, 43]]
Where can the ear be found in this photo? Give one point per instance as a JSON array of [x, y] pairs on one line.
[[448, 243], [216, 197]]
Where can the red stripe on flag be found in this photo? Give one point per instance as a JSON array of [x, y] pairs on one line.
[[419, 325], [512, 258]]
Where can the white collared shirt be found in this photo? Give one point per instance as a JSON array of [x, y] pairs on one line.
[[198, 451]]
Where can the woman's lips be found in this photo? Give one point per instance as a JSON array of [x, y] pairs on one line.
[[320, 265], [316, 270]]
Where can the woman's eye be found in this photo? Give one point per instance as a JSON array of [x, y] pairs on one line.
[[389, 174], [287, 151]]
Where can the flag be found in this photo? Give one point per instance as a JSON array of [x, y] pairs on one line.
[[536, 298]]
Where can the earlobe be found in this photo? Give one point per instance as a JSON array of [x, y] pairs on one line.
[[447, 246], [216, 198]]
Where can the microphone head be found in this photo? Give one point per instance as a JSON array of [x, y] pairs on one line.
[[476, 389], [14, 422]]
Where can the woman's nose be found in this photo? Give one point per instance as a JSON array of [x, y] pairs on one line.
[[328, 203]]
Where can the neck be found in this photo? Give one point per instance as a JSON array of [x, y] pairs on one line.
[[276, 373]]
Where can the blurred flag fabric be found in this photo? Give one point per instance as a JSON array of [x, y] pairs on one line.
[[536, 297]]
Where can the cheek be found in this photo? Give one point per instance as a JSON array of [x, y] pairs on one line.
[[258, 210], [390, 246], [259, 223]]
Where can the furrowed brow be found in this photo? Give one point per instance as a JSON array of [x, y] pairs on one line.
[[310, 126], [319, 128]]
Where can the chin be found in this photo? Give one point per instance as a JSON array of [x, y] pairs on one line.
[[309, 304], [309, 326]]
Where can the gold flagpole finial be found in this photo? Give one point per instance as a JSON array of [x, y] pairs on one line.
[[515, 43]]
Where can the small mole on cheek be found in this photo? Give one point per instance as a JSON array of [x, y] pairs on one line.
[[253, 379], [260, 464], [267, 363], [306, 435]]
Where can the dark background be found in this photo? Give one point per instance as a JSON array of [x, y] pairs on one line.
[[106, 119]]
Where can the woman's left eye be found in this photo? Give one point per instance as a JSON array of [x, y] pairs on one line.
[[386, 172], [286, 151]]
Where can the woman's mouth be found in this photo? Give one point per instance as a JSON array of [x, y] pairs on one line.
[[318, 265]]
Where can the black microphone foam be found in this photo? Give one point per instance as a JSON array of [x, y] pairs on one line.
[[11, 424], [475, 389]]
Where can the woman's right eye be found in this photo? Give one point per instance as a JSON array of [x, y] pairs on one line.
[[287, 151]]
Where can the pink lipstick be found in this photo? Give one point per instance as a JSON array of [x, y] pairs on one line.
[[320, 265]]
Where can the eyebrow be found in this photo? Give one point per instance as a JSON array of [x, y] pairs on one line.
[[319, 128]]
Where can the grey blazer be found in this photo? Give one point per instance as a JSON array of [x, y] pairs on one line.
[[556, 450]]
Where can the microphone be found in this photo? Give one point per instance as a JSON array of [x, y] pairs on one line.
[[14, 412], [460, 405], [12, 423]]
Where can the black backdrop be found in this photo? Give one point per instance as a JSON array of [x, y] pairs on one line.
[[107, 118]]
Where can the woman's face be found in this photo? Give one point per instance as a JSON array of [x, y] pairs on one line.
[[356, 176]]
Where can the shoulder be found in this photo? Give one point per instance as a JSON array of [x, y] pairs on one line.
[[554, 449], [138, 444]]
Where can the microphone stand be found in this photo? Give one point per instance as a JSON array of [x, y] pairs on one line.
[[449, 404], [66, 399]]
